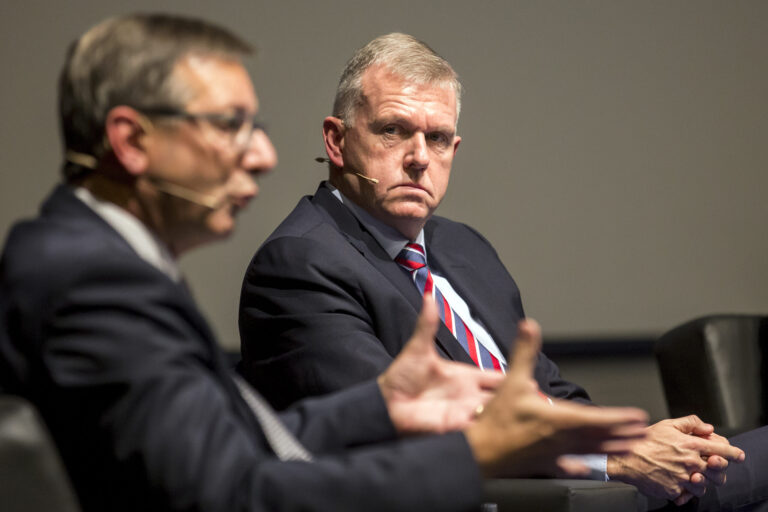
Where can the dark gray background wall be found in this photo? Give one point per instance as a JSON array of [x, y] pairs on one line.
[[613, 151]]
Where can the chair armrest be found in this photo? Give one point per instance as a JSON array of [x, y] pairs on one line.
[[558, 495], [32, 477]]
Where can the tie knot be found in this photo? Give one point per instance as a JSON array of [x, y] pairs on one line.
[[412, 257]]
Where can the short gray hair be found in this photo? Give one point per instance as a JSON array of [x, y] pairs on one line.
[[129, 60], [402, 54]]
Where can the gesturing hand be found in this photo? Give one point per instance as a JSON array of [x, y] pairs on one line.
[[426, 393], [519, 434]]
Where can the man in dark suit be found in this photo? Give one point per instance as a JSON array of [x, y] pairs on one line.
[[100, 332], [329, 299]]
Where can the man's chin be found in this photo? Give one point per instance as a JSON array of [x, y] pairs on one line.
[[410, 211], [219, 232]]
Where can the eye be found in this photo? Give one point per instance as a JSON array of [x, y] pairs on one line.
[[234, 123], [439, 139], [229, 123], [391, 129]]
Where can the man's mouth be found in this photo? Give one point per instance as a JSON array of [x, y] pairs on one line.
[[413, 186]]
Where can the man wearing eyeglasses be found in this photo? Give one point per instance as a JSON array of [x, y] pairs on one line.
[[98, 330]]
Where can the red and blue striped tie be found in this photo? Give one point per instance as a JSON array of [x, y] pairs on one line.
[[412, 258]]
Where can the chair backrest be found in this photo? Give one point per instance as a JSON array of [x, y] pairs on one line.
[[717, 367], [32, 477]]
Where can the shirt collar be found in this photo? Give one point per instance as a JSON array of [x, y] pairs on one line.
[[390, 239], [149, 248]]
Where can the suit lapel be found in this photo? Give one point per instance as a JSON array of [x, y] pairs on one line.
[[219, 364], [367, 245], [370, 249]]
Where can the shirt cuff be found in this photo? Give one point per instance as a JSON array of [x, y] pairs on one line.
[[597, 464]]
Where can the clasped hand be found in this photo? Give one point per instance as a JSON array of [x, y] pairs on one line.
[[676, 460]]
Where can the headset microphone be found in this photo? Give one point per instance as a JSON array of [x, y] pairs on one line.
[[209, 201], [372, 180], [321, 160], [172, 189]]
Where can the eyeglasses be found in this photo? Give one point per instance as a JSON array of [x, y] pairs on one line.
[[238, 126]]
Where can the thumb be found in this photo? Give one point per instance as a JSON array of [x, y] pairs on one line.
[[423, 337], [526, 349]]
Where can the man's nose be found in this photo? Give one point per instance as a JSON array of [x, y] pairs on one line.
[[418, 154], [260, 157]]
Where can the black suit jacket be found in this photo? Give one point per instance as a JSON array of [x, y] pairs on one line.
[[324, 307], [129, 379]]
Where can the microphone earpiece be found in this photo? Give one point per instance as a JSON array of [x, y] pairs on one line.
[[209, 201], [372, 180], [172, 189], [322, 159]]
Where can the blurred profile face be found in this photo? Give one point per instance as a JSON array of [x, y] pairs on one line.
[[404, 136], [204, 156]]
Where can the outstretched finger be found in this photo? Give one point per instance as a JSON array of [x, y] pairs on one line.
[[622, 421], [526, 349], [598, 430], [423, 337]]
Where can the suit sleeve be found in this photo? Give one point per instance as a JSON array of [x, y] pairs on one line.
[[332, 423], [132, 397], [305, 325]]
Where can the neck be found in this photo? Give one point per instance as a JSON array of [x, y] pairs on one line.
[[409, 229], [134, 196]]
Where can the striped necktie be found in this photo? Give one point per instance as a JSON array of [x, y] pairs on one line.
[[413, 259]]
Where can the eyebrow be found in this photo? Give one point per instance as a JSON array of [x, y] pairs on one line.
[[378, 123]]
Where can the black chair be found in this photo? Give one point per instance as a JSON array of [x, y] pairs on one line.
[[32, 478], [556, 495], [717, 367]]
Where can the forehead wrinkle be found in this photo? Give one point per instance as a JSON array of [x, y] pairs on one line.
[[428, 114]]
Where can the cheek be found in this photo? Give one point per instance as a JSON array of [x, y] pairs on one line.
[[214, 174], [207, 170], [440, 179], [387, 168]]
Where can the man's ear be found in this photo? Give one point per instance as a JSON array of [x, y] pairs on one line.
[[125, 129], [333, 135], [456, 142]]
